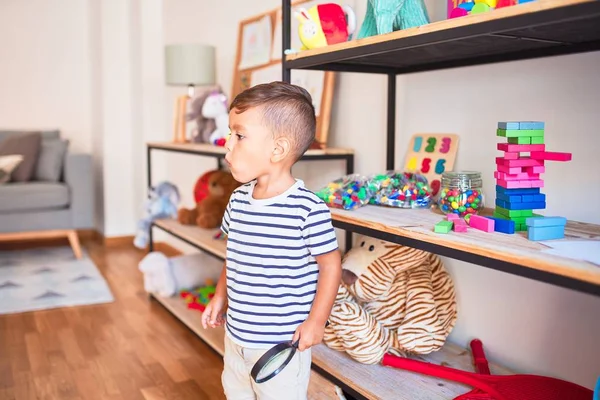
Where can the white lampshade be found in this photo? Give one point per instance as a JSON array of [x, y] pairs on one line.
[[190, 64]]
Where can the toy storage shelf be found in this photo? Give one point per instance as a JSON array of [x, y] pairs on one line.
[[205, 149], [319, 387], [359, 380], [512, 253], [536, 29]]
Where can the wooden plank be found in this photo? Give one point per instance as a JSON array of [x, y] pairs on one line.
[[319, 387], [505, 12], [218, 150], [203, 238], [515, 248], [380, 382]]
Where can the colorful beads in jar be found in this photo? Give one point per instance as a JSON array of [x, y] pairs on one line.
[[402, 189], [349, 192], [461, 193]]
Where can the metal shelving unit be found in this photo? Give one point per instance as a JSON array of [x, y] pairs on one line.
[[541, 28]]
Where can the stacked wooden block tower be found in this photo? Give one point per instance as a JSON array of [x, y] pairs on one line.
[[519, 182]]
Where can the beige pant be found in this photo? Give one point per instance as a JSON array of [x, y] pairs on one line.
[[289, 384]]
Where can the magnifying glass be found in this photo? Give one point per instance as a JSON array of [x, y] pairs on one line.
[[274, 361]]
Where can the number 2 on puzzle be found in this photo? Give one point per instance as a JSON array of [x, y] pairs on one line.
[[431, 142]]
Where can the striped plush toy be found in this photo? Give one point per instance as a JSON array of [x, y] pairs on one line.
[[393, 299]]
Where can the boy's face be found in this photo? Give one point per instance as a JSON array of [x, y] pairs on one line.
[[250, 145]]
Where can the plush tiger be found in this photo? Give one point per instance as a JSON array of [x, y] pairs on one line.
[[392, 299]]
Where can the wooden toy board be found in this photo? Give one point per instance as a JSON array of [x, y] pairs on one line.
[[258, 60], [431, 154]]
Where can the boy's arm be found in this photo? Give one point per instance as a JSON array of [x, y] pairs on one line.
[[330, 276], [321, 241]]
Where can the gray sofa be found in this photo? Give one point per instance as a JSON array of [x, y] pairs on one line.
[[61, 204]]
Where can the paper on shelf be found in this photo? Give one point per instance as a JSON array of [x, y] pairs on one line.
[[584, 250]]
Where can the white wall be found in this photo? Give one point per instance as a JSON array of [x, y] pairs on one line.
[[44, 75], [530, 326]]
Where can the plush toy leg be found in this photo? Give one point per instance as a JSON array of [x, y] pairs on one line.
[[330, 337], [414, 336], [414, 13], [368, 27], [362, 337], [385, 14]]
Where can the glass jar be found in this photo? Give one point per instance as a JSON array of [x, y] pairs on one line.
[[461, 193]]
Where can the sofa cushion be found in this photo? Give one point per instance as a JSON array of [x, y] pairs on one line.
[[50, 160], [27, 145], [26, 196], [7, 165], [51, 134]]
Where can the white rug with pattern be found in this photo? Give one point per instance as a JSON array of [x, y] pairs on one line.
[[49, 278]]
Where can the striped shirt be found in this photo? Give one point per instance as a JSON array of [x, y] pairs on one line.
[[271, 268]]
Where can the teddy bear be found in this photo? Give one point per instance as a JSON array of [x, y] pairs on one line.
[[392, 299], [209, 212]]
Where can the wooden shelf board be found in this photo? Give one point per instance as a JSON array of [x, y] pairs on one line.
[[203, 238], [319, 387], [541, 25], [204, 148], [380, 382], [515, 248]]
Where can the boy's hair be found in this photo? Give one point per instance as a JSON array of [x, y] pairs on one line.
[[287, 110]]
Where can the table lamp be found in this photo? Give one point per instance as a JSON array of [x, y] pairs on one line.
[[191, 65]]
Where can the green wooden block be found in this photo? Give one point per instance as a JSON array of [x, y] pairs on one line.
[[517, 220], [537, 140], [520, 140], [443, 227], [526, 213], [520, 132], [521, 228], [498, 214], [509, 213]]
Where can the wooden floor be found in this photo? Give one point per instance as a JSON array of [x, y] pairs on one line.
[[130, 349]]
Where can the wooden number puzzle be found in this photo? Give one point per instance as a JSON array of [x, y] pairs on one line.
[[431, 154]]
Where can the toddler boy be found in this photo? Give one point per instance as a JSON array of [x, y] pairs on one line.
[[283, 266]]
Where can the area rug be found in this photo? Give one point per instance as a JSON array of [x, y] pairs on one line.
[[47, 278]]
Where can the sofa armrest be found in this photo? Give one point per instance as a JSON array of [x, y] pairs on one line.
[[79, 176]]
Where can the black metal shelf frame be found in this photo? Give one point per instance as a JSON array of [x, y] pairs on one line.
[[342, 60], [347, 158]]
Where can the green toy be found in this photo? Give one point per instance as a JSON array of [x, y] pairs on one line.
[[385, 16]]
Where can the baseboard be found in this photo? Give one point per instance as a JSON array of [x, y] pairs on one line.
[[117, 241]]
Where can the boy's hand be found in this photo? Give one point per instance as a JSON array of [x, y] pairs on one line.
[[214, 312], [310, 334]]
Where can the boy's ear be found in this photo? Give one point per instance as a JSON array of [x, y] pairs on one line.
[[282, 148]]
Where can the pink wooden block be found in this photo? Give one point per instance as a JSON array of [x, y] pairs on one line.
[[459, 225], [481, 223], [509, 170], [551, 156], [535, 170], [452, 217], [515, 177], [521, 162], [521, 147], [537, 184], [511, 156], [524, 184]]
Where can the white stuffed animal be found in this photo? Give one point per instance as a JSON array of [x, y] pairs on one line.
[[215, 107], [166, 276]]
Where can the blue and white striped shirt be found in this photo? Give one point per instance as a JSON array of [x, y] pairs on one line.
[[271, 268]]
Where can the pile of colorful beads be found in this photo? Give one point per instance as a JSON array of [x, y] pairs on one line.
[[349, 192], [461, 202], [402, 189]]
